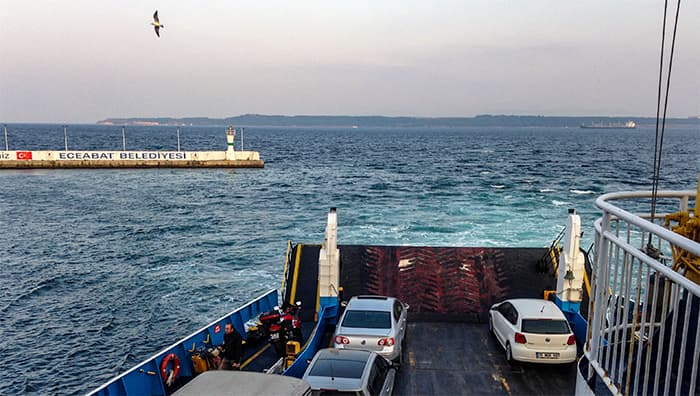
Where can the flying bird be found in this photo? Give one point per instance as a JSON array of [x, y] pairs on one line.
[[156, 23]]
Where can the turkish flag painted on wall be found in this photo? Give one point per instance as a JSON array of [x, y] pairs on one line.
[[24, 155]]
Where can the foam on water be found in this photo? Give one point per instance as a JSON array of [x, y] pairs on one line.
[[103, 268]]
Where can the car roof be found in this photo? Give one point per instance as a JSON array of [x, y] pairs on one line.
[[332, 356], [345, 354], [371, 303], [535, 308], [224, 382]]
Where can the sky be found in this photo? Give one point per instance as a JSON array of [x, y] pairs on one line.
[[82, 61]]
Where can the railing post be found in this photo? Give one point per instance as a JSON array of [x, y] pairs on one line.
[[600, 289]]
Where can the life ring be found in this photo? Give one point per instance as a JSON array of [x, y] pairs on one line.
[[169, 378]]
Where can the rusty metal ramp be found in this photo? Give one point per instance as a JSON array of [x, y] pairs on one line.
[[444, 283]]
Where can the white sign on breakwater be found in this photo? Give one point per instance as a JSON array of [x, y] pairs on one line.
[[125, 155], [118, 159]]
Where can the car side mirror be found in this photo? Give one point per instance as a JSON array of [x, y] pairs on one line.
[[308, 361], [343, 304]]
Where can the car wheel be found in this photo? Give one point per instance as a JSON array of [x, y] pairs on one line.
[[509, 354]]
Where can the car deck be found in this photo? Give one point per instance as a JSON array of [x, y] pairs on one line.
[[451, 358], [449, 350]]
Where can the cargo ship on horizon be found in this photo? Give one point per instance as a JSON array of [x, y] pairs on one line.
[[610, 125]]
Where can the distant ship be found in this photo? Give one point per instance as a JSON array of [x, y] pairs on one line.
[[610, 125]]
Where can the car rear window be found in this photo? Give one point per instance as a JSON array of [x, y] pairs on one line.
[[367, 319], [544, 326], [338, 368]]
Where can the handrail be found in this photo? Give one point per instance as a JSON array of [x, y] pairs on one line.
[[661, 232], [628, 283]]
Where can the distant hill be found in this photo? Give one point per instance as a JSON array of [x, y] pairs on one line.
[[382, 121]]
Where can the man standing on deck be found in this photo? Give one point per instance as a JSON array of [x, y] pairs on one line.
[[232, 348]]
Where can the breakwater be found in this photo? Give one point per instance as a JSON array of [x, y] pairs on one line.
[[231, 158], [17, 159]]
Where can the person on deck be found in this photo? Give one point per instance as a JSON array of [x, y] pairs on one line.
[[232, 349]]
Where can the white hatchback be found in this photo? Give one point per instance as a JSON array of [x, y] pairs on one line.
[[532, 330]]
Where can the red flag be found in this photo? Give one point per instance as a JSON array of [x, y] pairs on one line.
[[24, 155]]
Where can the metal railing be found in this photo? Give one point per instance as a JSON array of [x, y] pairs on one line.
[[643, 334]]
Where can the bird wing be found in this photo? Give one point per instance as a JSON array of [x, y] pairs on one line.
[[155, 16], [157, 28]]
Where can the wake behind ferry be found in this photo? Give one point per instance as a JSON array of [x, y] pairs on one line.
[[632, 304]]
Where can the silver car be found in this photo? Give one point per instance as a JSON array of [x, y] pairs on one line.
[[354, 372], [373, 323]]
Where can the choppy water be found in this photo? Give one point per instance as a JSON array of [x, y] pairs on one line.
[[102, 268]]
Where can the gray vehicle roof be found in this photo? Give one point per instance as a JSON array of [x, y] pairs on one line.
[[371, 303], [224, 382], [331, 356]]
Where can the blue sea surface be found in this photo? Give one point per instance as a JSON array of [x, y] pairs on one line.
[[101, 268]]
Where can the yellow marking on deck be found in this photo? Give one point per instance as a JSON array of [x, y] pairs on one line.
[[318, 301], [411, 359], [295, 277], [502, 380], [255, 355]]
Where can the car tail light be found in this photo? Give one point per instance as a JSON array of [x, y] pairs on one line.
[[389, 341], [520, 338], [571, 340], [342, 340]]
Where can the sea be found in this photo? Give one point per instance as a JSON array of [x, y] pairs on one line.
[[102, 268]]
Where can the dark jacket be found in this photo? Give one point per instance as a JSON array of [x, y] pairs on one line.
[[233, 346]]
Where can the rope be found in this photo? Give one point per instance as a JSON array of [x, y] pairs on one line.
[[658, 144]]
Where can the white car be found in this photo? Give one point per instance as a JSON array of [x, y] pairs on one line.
[[373, 323], [532, 330]]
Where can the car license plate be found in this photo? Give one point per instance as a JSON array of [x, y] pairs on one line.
[[547, 355], [274, 336]]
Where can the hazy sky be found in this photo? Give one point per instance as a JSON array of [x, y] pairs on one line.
[[82, 61]]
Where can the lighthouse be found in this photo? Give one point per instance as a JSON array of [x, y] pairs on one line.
[[230, 136]]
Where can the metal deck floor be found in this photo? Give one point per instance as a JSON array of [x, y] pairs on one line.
[[465, 359]]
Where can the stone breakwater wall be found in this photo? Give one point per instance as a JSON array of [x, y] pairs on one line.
[[18, 159]]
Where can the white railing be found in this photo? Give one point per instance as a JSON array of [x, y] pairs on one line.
[[643, 334]]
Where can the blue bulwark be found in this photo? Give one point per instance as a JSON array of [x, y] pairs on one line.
[[578, 323], [145, 379], [327, 316]]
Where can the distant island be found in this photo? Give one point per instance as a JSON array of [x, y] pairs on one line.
[[383, 121]]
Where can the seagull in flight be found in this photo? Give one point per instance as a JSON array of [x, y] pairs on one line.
[[156, 23]]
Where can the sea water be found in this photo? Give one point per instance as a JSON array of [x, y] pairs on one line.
[[101, 268]]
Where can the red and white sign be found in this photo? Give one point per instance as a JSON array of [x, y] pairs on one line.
[[217, 328], [24, 155]]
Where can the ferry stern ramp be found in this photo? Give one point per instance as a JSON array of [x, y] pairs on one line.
[[449, 349]]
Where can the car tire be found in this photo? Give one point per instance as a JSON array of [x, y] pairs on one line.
[[509, 354]]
